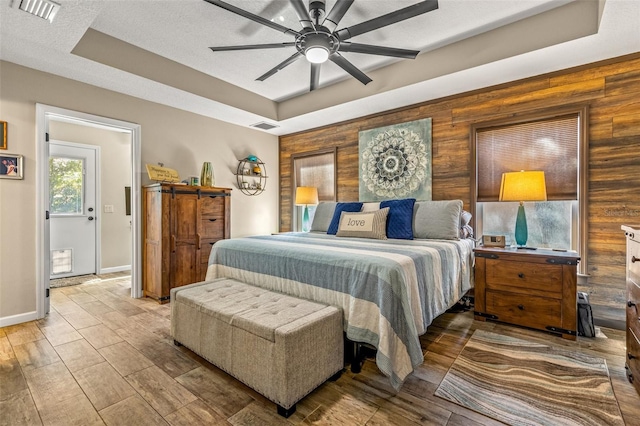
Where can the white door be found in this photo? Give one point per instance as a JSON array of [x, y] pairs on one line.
[[72, 208]]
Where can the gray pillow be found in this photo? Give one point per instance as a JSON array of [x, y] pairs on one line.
[[322, 217], [437, 219], [371, 224]]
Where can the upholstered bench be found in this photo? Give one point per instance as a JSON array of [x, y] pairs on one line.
[[281, 346]]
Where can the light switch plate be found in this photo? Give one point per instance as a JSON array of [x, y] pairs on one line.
[[108, 208]]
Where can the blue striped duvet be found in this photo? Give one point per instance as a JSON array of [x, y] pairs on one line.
[[389, 290]]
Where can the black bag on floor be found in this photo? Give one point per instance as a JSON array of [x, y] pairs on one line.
[[585, 316]]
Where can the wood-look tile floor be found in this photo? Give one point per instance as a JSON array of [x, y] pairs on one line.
[[101, 357]]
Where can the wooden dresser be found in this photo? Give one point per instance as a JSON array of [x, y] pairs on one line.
[[180, 225], [531, 288], [633, 305]]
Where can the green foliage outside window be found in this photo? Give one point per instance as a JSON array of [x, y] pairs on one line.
[[65, 185]]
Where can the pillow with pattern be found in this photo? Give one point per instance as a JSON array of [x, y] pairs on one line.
[[364, 224]]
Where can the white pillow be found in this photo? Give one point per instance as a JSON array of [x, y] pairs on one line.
[[437, 219], [370, 207], [322, 217]]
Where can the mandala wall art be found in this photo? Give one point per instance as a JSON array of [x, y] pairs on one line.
[[395, 161]]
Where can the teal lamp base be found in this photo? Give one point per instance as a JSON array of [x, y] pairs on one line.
[[305, 220], [521, 227]]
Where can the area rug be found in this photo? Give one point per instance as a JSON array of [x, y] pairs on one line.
[[523, 383]]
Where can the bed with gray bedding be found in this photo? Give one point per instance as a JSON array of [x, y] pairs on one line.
[[389, 290]]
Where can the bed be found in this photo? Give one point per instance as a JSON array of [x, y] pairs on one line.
[[390, 290]]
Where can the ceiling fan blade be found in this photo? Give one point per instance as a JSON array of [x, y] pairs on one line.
[[350, 68], [291, 59], [337, 12], [272, 8], [388, 19], [255, 18], [251, 46], [378, 50], [302, 12], [315, 76]]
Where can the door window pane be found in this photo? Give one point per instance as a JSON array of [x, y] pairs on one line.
[[66, 185]]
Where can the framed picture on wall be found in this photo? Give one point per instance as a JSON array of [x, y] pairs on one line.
[[3, 135], [11, 166]]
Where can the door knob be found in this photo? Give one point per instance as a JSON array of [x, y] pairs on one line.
[[90, 209], [90, 217]]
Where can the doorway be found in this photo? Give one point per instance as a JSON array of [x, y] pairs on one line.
[[73, 197], [45, 116]]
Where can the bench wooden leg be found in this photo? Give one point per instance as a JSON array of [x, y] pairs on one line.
[[286, 412]]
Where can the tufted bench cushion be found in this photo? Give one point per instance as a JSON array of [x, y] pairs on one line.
[[281, 346]]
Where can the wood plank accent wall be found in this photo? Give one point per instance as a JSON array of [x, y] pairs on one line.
[[610, 88]]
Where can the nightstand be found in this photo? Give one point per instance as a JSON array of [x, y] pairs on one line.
[[531, 288]]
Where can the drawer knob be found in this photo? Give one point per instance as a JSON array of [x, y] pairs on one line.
[[520, 275], [634, 259], [631, 356], [521, 307]]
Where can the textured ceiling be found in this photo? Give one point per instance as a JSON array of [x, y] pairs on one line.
[[465, 44]]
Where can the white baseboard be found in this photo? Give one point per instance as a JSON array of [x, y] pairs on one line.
[[17, 319], [115, 269]]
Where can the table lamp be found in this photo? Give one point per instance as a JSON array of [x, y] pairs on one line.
[[523, 186], [305, 196]]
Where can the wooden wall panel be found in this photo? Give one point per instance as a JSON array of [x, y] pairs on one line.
[[612, 91]]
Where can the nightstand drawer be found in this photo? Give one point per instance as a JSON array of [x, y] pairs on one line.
[[529, 311], [524, 277]]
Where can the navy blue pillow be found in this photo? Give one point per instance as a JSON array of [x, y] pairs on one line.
[[400, 219], [342, 207]]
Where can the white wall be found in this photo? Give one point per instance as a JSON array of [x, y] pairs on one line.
[[115, 174], [179, 139]]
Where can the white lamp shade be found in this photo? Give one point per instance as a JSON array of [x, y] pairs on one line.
[[523, 186], [306, 195]]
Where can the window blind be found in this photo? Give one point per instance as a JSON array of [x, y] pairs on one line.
[[548, 145], [317, 170]]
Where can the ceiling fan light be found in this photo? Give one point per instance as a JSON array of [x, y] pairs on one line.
[[317, 54]]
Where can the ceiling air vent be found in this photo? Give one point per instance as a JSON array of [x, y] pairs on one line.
[[45, 9], [264, 126]]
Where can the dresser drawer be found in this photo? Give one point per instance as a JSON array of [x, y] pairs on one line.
[[633, 252], [205, 249], [212, 227], [524, 277], [633, 353], [633, 311], [212, 206], [529, 311]]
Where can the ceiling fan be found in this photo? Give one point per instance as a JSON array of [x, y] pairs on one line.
[[318, 40]]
